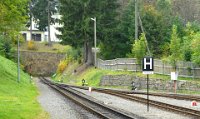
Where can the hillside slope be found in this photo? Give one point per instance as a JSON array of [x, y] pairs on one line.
[[17, 100]]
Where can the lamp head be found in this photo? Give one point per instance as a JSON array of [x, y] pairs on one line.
[[93, 19]]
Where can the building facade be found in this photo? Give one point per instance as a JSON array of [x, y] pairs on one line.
[[42, 36]]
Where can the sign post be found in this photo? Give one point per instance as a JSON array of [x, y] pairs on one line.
[[174, 76], [147, 68]]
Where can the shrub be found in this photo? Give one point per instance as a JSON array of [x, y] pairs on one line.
[[61, 66], [6, 47], [31, 45]]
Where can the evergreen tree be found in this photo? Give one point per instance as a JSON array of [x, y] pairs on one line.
[[39, 10], [78, 27], [127, 26], [155, 29]]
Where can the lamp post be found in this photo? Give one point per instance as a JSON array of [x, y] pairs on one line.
[[95, 38]]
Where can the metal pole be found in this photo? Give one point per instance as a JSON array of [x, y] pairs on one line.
[[49, 37], [95, 40], [30, 7], [18, 62], [136, 19], [147, 92]]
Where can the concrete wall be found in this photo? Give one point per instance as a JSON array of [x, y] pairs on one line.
[[140, 83], [40, 63]]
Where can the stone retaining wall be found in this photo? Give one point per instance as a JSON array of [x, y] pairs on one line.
[[140, 83], [40, 63]]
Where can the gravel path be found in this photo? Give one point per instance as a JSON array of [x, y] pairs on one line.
[[134, 107], [59, 107], [183, 103]]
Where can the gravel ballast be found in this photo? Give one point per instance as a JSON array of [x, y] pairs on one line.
[[134, 107], [58, 106]]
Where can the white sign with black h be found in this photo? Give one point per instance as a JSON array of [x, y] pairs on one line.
[[147, 65]]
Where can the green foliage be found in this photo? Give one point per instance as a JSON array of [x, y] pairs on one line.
[[78, 26], [156, 29], [6, 49], [139, 48], [40, 12], [127, 26], [13, 16], [196, 49], [175, 47], [17, 100], [187, 39]]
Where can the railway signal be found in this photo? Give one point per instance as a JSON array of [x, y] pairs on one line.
[[147, 68]]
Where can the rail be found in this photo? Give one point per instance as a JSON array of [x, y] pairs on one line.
[[90, 104]]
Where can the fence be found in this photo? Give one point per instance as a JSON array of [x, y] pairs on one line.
[[185, 69]]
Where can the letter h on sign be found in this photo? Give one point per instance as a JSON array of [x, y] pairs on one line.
[[147, 64]]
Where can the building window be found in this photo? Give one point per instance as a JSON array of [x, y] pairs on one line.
[[36, 37]]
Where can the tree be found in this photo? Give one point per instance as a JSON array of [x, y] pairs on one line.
[[139, 48], [39, 9], [196, 48], [78, 27], [187, 40], [156, 28], [127, 26], [175, 47], [13, 16]]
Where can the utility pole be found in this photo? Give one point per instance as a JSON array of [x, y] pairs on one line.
[[136, 19], [30, 8], [49, 35], [136, 27], [18, 62]]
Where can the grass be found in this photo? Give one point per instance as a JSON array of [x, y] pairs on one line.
[[93, 76], [43, 47], [17, 100]]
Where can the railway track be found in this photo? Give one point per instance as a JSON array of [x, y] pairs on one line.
[[161, 105], [167, 95], [94, 106]]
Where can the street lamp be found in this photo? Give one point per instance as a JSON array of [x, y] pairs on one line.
[[95, 38]]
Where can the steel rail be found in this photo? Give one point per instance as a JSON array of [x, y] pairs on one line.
[[95, 106], [167, 95], [161, 105]]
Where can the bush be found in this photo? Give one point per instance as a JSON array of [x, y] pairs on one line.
[[62, 66], [31, 45], [6, 47]]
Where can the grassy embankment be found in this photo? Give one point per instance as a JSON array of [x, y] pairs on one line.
[[17, 100], [93, 77], [43, 47]]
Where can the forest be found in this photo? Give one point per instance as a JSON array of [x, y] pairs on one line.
[[167, 29]]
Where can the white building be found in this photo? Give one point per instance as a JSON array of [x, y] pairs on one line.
[[42, 36]]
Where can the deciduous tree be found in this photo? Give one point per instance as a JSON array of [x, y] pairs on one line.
[[175, 47]]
